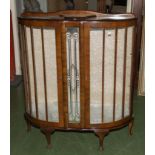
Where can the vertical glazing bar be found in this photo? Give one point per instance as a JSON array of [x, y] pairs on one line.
[[133, 58], [124, 73], [103, 76], [28, 73], [34, 70], [87, 74], [115, 67], [59, 70], [23, 66], [65, 76], [44, 70]]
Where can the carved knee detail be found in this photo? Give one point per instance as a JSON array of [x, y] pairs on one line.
[[130, 127], [47, 132], [101, 133], [28, 124]]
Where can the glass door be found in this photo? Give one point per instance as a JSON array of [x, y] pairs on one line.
[[73, 73], [108, 72], [41, 57]]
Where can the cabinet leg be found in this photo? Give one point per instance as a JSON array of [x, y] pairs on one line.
[[28, 125], [47, 132], [130, 127], [101, 133]]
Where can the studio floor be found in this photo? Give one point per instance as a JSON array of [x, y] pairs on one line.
[[73, 143]]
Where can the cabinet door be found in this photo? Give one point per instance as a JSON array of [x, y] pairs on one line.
[[73, 73], [41, 56], [108, 72]]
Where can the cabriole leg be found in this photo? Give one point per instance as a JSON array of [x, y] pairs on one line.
[[28, 124], [101, 133], [130, 127], [48, 132]]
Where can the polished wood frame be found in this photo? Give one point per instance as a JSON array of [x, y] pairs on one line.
[[101, 130], [66, 12]]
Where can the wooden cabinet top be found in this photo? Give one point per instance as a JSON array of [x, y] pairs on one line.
[[76, 15]]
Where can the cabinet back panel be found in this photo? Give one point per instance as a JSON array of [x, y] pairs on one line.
[[96, 58], [128, 70], [119, 72]]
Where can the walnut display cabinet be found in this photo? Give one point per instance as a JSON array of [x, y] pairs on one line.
[[78, 69]]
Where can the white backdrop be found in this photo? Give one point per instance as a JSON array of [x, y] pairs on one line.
[[17, 8], [15, 36]]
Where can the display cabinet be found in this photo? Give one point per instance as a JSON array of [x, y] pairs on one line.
[[78, 69]]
